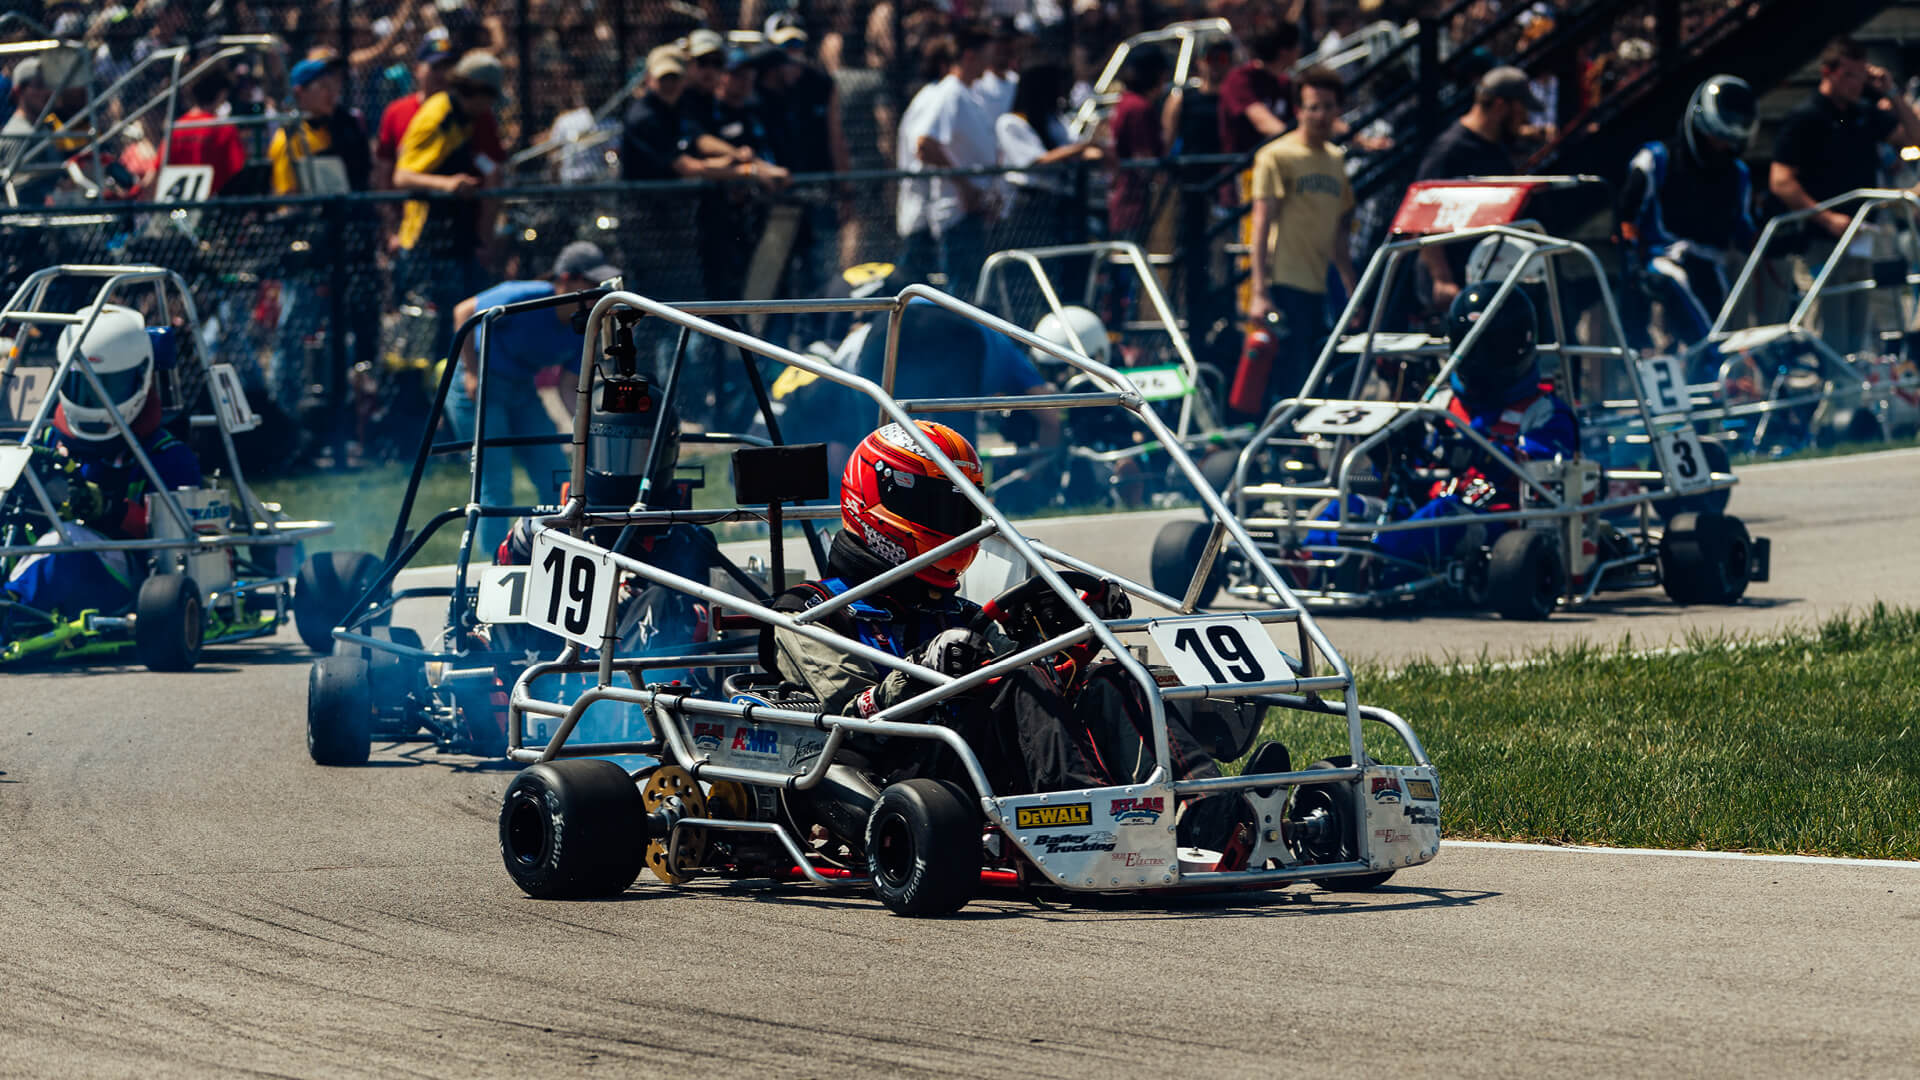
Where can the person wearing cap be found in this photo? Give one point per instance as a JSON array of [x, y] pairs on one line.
[[441, 241], [325, 151], [518, 349], [705, 66], [943, 221], [31, 96], [1302, 210], [1478, 144], [433, 62], [659, 140]]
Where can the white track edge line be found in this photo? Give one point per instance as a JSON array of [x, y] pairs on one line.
[[1732, 856], [1831, 459]]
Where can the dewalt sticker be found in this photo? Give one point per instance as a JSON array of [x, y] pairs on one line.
[[1053, 817]]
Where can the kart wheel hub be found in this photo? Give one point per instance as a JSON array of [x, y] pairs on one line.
[[674, 857]]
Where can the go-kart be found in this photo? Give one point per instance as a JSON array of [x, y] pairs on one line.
[[1104, 459], [385, 680], [1334, 472], [219, 564], [764, 783], [1778, 387]]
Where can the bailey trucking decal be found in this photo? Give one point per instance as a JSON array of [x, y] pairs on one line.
[[1053, 817], [1070, 843], [1145, 810]]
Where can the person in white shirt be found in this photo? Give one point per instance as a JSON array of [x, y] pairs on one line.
[[1043, 210], [999, 82], [943, 220]]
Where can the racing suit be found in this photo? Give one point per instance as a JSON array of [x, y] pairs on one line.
[[1038, 729], [1528, 421], [1683, 214], [106, 493]]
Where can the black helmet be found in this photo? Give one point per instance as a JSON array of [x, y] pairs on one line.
[[1503, 354], [1722, 108]]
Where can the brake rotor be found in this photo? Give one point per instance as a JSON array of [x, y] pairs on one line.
[[679, 862]]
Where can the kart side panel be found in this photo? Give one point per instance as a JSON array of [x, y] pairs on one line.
[[1403, 815], [1111, 837]]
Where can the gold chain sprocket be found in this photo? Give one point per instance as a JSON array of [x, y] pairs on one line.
[[682, 862]]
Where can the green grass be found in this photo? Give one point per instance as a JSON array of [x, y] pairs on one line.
[[1807, 744], [1838, 450]]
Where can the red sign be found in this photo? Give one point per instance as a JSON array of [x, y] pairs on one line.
[[1438, 206]]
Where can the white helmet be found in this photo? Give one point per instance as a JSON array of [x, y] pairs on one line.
[[1494, 258], [121, 355], [1088, 334]]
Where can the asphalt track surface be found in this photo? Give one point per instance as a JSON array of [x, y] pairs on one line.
[[188, 895]]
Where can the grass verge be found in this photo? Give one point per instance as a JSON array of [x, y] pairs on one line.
[[1806, 744]]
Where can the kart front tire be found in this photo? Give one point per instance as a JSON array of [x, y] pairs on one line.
[[169, 621], [574, 829], [327, 585], [923, 848], [1705, 559], [339, 711], [1336, 801], [1525, 576], [1176, 554]]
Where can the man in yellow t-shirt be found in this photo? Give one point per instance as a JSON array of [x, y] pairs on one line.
[[1302, 211], [441, 241]]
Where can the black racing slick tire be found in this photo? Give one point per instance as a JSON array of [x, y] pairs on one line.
[[327, 585], [1323, 827], [169, 621], [1176, 554], [339, 711], [1705, 559], [923, 848], [1525, 576], [573, 829]]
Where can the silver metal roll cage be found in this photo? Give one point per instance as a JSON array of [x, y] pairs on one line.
[[1302, 689]]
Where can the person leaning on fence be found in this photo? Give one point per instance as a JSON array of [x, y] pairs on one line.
[[1302, 213], [518, 348], [1033, 134], [433, 64], [804, 118], [943, 221], [1254, 96], [442, 241], [1830, 145], [324, 152]]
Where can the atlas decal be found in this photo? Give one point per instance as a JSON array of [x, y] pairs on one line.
[[1141, 811], [1053, 817]]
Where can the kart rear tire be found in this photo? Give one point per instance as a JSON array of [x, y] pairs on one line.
[[1705, 559], [1717, 460], [1334, 800], [1525, 576], [327, 585], [574, 829], [1176, 553], [169, 621], [1217, 467], [923, 847], [339, 711]]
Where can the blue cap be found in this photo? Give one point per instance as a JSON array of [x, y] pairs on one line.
[[738, 57], [434, 50], [306, 71]]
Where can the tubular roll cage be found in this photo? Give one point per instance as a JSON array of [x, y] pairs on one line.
[[23, 308], [1302, 691], [1377, 286]]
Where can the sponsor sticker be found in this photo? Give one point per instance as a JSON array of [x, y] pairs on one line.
[[1392, 836], [709, 735], [1135, 858], [1422, 815], [1140, 811], [753, 740], [1053, 817], [1420, 789], [1386, 790], [1070, 843]]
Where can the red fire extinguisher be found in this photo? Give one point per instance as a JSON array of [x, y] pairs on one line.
[[1249, 393]]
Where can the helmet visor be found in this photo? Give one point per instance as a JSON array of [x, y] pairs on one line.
[[931, 502], [121, 387]]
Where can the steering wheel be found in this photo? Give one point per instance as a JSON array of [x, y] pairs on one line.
[[1031, 612]]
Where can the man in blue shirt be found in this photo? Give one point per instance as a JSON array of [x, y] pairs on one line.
[[518, 348]]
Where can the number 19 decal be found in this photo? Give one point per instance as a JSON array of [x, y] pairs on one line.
[[570, 590], [1220, 651]]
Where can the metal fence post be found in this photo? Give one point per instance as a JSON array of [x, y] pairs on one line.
[[527, 123], [335, 214]]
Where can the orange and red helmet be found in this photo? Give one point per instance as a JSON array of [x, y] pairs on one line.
[[897, 503]]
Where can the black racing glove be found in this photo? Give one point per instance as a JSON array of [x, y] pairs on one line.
[[954, 652]]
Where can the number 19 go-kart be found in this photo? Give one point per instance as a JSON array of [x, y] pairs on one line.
[[216, 564], [1333, 480], [762, 784]]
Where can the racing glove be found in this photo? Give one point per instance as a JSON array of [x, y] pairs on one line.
[[954, 652], [86, 502]]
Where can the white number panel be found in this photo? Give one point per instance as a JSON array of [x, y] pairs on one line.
[[1161, 383], [230, 398], [1686, 460], [502, 596], [1665, 386], [13, 462], [183, 184], [1345, 418], [1221, 651], [1387, 341], [570, 588]]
